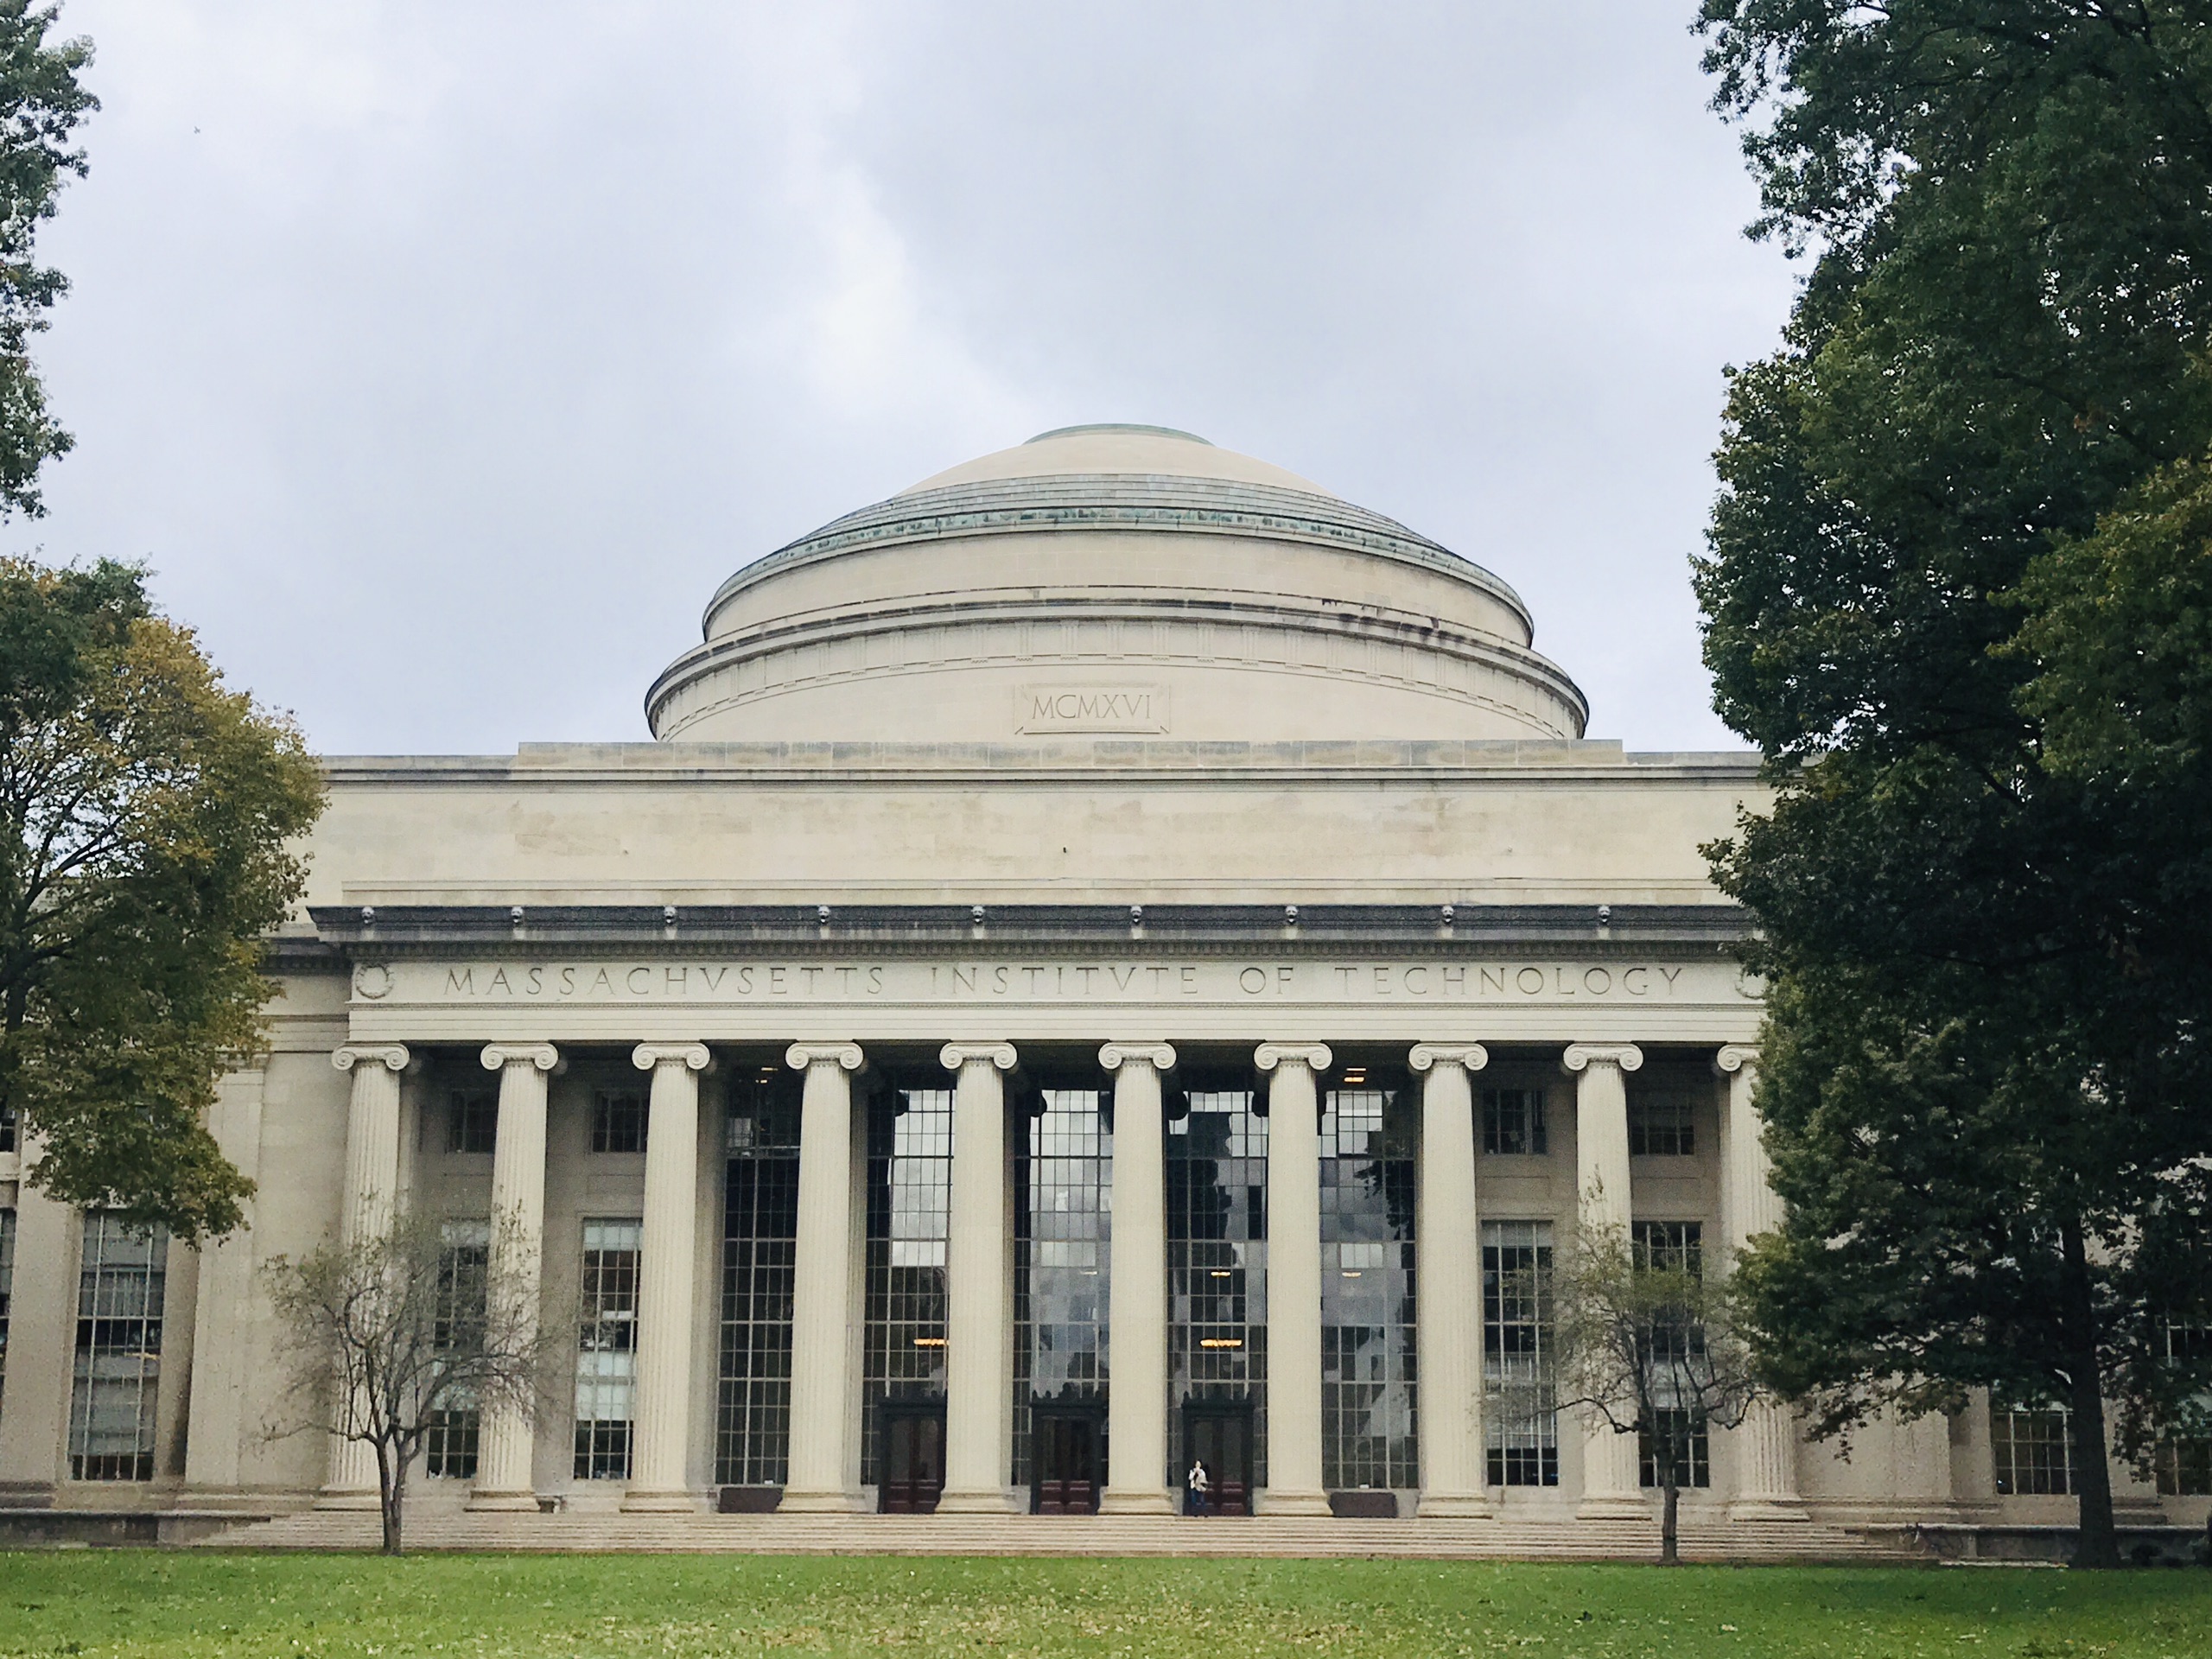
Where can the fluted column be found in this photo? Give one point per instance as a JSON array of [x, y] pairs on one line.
[[365, 1210], [1765, 1442], [503, 1472], [1293, 1277], [658, 1476], [1449, 1256], [979, 1286], [1610, 1486], [825, 1388], [1137, 1398]]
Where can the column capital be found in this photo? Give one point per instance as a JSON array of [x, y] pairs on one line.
[[1627, 1056], [1315, 1056], [693, 1057], [953, 1056], [393, 1056], [1473, 1057], [1160, 1057], [542, 1056], [1735, 1057], [845, 1055]]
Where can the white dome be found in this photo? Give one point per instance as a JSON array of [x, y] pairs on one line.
[[1114, 581]]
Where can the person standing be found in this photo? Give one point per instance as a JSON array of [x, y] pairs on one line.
[[1195, 1489]]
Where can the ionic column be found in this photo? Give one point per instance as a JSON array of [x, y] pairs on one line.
[[658, 1476], [503, 1473], [825, 1388], [979, 1286], [1448, 1252], [1137, 1398], [1765, 1442], [365, 1210], [1610, 1486], [1293, 1277]]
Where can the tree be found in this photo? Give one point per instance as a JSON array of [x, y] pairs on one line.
[[41, 102], [1647, 1342], [1985, 1129], [148, 823], [408, 1329]]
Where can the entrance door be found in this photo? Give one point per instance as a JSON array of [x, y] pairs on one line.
[[1219, 1433], [912, 1456], [1067, 1455]]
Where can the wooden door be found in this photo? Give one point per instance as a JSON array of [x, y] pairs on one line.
[[1066, 1451], [913, 1460]]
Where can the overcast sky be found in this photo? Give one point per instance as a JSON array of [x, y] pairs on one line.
[[441, 359]]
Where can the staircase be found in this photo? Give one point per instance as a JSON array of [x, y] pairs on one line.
[[1288, 1536]]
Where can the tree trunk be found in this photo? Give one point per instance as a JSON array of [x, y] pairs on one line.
[[2097, 1541], [393, 1474], [1670, 1511]]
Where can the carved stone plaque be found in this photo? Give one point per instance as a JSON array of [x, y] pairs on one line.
[[1133, 709]]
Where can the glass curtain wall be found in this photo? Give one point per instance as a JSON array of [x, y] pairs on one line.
[[1217, 1266], [606, 1349], [1061, 1232], [450, 1447], [909, 1203], [1369, 1393], [752, 1403], [1519, 1421], [122, 1284]]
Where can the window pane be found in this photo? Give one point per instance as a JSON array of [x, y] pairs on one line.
[[606, 1349], [753, 1406], [909, 1200], [1216, 1266], [1061, 1233], [1368, 1396], [1519, 1419], [121, 1287]]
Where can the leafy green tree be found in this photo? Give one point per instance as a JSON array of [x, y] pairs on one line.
[[41, 102], [148, 818], [1989, 1137]]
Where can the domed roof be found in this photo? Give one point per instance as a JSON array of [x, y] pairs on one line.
[[1112, 447], [1114, 578]]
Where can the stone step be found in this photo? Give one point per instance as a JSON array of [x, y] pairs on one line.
[[1142, 1535]]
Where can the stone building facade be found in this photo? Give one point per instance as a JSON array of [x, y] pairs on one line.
[[1114, 959]]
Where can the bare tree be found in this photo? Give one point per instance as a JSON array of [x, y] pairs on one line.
[[1647, 1342], [405, 1331]]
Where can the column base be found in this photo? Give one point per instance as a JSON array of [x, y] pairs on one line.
[[348, 1498], [1136, 1500], [1768, 1508], [828, 1503], [987, 1500], [1275, 1500], [504, 1503], [681, 1501], [1613, 1506], [1460, 1505]]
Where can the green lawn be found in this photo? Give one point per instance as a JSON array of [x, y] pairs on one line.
[[80, 1602]]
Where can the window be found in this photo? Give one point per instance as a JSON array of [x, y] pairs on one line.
[[607, 1350], [1661, 1129], [909, 1199], [1670, 1247], [2185, 1468], [1519, 1421], [1685, 1431], [1513, 1122], [618, 1122], [752, 1403], [120, 1289], [464, 1274], [7, 1128], [1216, 1266], [472, 1120], [2032, 1450], [1369, 1399], [6, 1293], [1061, 1262]]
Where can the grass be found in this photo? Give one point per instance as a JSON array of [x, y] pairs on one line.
[[137, 1602]]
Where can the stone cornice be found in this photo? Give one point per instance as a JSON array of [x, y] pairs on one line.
[[1473, 930]]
